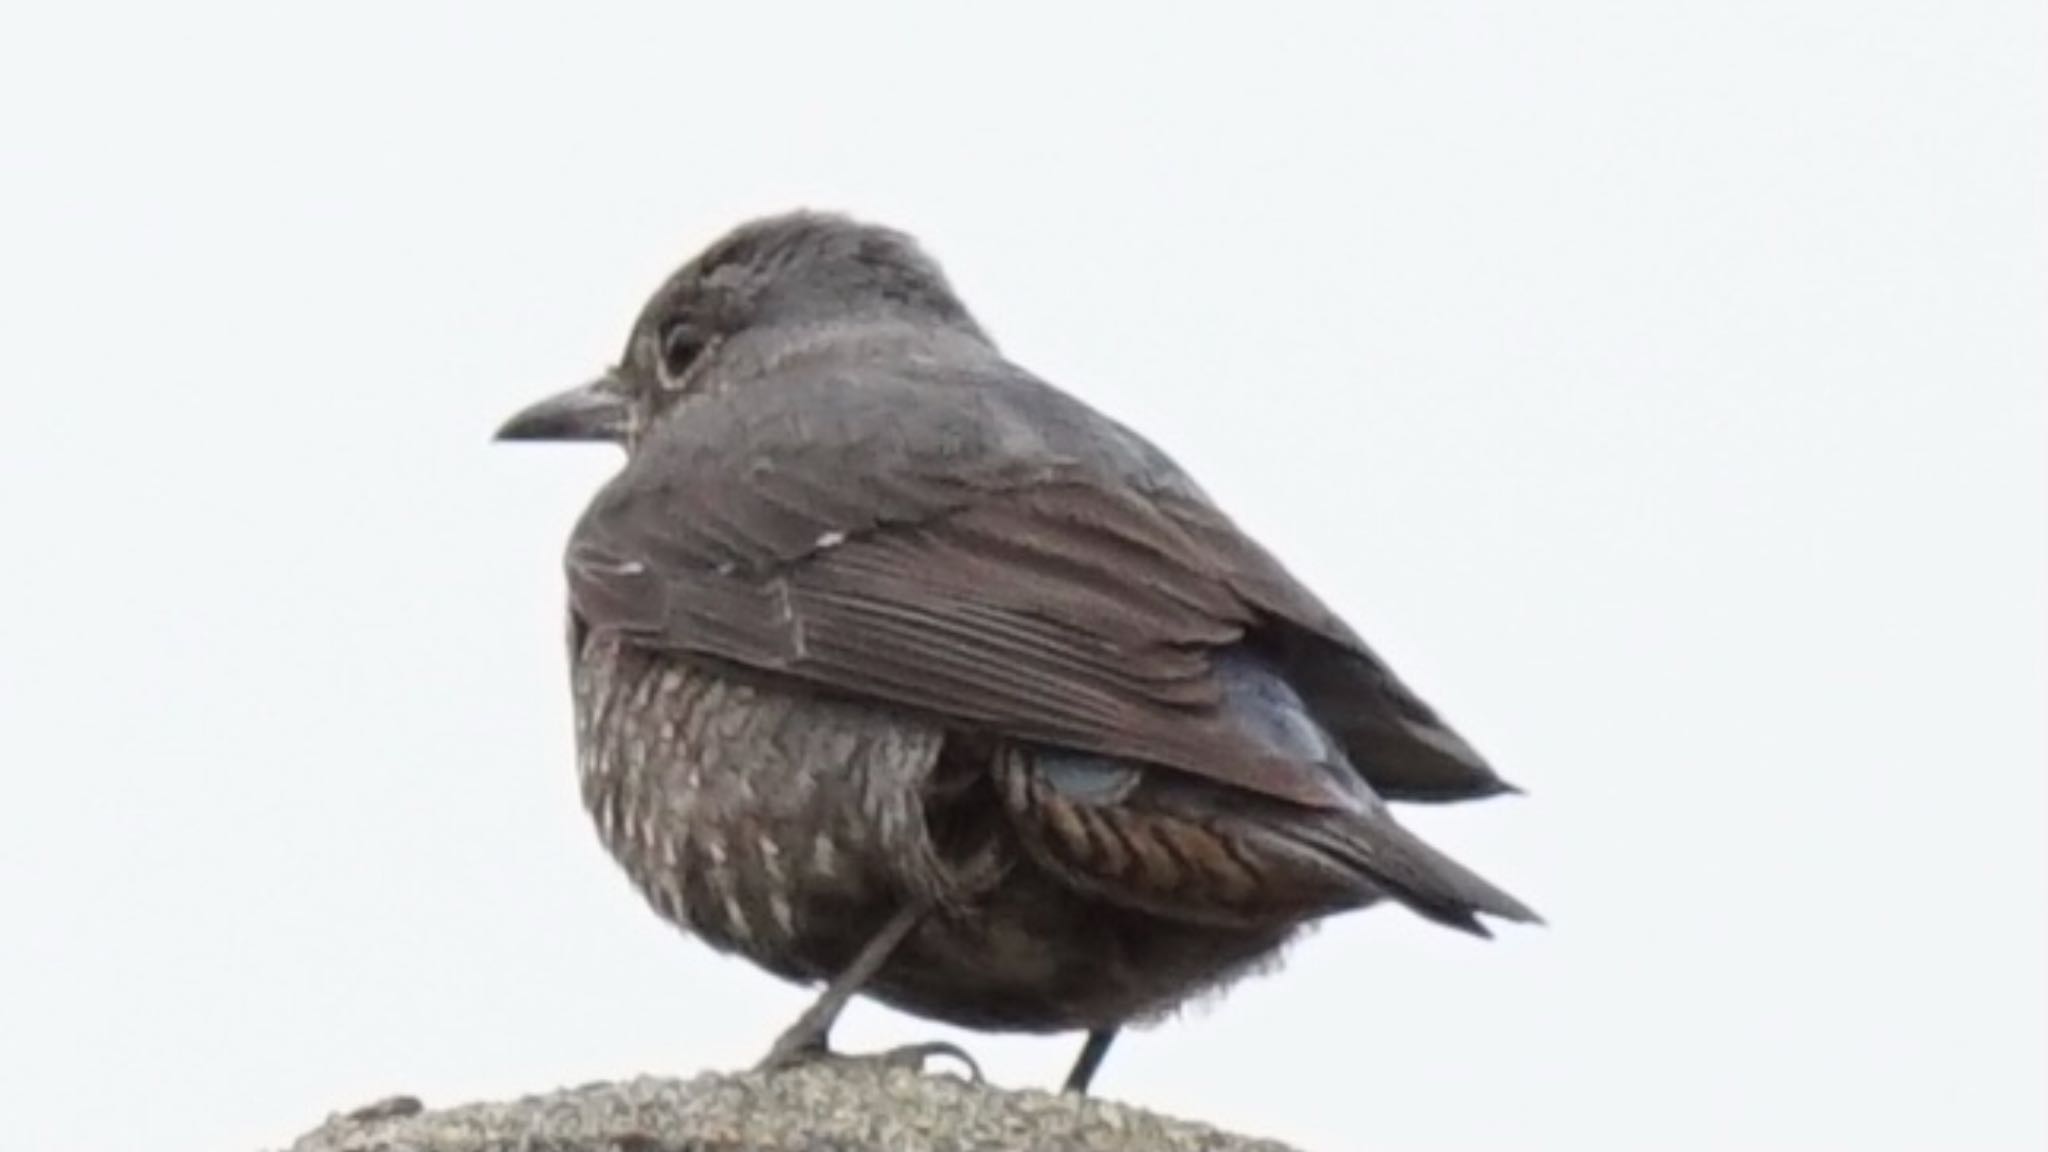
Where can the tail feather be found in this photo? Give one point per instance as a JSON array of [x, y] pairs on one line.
[[1403, 867], [1365, 840]]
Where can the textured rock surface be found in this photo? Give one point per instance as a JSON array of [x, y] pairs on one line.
[[856, 1108]]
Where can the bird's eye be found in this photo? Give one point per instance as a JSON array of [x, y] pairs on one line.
[[681, 344]]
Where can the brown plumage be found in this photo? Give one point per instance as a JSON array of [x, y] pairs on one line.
[[896, 668]]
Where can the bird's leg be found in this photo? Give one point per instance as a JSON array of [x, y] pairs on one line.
[[1085, 1065], [808, 1039]]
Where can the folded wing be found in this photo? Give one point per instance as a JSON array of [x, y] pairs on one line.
[[987, 556]]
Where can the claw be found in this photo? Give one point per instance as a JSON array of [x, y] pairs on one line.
[[909, 1057], [913, 1057], [794, 1050]]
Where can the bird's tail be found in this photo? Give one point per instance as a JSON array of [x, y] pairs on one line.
[[1403, 867]]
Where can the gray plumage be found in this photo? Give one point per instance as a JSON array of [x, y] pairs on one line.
[[875, 627]]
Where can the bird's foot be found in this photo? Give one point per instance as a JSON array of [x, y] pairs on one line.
[[909, 1057]]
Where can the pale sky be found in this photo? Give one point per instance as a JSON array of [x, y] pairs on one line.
[[1659, 387]]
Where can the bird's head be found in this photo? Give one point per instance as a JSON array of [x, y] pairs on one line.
[[761, 289]]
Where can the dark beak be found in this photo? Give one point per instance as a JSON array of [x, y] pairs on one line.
[[598, 410]]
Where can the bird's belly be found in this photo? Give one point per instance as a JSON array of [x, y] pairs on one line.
[[772, 825], [784, 896], [1033, 955]]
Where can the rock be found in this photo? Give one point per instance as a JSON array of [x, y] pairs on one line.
[[826, 1108]]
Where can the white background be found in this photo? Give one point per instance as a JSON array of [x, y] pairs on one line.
[[1659, 386]]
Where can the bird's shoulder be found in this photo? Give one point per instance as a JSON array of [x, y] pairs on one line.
[[871, 429]]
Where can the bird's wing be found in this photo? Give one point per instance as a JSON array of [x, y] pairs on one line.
[[915, 543], [1396, 740]]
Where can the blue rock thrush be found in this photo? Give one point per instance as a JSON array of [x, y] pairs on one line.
[[899, 670]]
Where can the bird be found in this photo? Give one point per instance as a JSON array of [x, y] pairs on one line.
[[902, 673]]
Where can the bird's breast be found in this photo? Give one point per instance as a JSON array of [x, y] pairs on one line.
[[760, 820]]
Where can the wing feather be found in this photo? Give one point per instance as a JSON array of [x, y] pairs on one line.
[[935, 546]]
